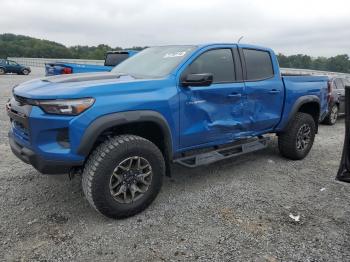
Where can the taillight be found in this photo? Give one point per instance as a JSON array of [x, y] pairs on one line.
[[66, 70], [330, 91]]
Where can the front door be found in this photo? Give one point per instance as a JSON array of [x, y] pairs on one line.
[[212, 113], [12, 67]]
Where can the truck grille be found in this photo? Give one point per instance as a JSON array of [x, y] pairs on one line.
[[18, 109]]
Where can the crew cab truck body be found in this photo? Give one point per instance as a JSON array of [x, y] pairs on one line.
[[192, 105], [112, 59]]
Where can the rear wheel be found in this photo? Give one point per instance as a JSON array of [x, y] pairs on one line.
[[332, 116], [2, 71], [297, 141], [25, 72], [123, 176]]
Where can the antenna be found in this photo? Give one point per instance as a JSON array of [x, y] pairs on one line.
[[239, 39]]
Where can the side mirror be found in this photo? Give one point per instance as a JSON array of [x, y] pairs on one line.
[[205, 79]]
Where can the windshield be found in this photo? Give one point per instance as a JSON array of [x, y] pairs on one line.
[[154, 62]]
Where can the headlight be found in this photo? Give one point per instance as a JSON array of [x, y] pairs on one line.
[[71, 107]]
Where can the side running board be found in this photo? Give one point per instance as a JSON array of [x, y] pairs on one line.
[[214, 155]]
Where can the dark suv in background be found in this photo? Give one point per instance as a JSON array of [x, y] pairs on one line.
[[337, 99]]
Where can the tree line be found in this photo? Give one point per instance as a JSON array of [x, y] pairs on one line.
[[25, 46], [339, 63]]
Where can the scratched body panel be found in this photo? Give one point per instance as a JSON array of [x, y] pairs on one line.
[[263, 103], [211, 114]]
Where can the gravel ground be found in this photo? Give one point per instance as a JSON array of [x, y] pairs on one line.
[[235, 210]]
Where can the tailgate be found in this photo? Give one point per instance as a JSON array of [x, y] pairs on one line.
[[50, 69], [57, 69]]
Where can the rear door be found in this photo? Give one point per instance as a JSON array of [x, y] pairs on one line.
[[212, 113], [264, 90]]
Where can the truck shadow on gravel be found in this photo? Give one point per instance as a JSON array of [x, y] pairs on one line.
[[57, 192], [67, 195]]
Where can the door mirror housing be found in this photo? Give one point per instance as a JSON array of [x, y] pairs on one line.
[[204, 79]]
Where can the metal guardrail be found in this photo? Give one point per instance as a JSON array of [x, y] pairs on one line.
[[40, 62], [313, 72]]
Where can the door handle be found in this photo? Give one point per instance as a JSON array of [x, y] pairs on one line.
[[235, 95], [274, 91]]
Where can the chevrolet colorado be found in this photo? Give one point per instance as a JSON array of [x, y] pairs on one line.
[[192, 105]]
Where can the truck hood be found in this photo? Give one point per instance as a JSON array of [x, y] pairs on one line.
[[75, 85]]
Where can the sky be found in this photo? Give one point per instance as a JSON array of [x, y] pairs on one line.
[[317, 28]]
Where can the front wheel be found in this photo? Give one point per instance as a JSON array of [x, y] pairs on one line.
[[123, 176], [296, 142], [2, 71]]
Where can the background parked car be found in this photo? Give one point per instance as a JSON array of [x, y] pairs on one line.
[[8, 66], [337, 100]]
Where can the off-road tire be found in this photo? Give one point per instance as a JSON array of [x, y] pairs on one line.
[[99, 168], [332, 116], [287, 141]]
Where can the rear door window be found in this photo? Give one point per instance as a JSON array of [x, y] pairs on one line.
[[258, 64], [218, 62]]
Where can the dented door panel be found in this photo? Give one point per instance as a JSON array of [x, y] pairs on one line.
[[263, 104], [212, 113]]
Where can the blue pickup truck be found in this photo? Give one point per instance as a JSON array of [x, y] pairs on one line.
[[112, 59], [185, 104]]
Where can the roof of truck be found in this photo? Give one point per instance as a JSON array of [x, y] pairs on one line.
[[223, 43], [238, 44]]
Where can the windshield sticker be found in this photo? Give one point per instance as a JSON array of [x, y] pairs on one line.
[[177, 54]]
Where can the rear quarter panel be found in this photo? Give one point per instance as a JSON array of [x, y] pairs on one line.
[[303, 86]]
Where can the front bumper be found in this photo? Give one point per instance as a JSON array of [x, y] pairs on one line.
[[42, 140], [42, 165]]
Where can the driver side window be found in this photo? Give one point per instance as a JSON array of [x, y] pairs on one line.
[[218, 62], [12, 63]]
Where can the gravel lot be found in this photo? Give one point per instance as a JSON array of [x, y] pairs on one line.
[[235, 210]]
